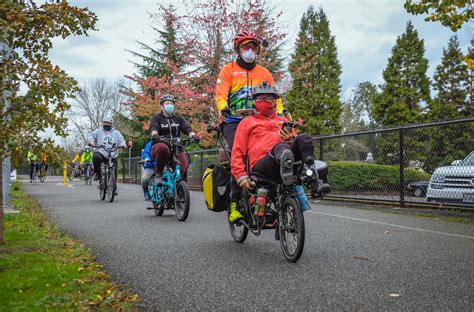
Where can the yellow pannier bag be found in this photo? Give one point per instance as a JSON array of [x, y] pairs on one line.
[[216, 187]]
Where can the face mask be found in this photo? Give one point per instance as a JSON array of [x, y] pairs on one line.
[[264, 107], [107, 127], [248, 56], [169, 108]]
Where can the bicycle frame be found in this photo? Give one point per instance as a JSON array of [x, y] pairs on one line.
[[168, 183]]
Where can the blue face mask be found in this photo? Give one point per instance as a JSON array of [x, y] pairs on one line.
[[169, 108]]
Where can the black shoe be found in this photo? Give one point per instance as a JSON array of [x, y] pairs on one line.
[[96, 177], [320, 189], [286, 166]]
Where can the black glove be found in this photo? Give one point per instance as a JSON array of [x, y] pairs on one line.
[[196, 138], [155, 138]]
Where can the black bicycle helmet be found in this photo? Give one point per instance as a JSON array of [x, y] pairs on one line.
[[167, 97], [265, 88]]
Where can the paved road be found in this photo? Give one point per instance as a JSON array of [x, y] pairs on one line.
[[353, 259]]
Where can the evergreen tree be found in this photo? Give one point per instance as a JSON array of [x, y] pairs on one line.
[[361, 105], [315, 70], [451, 83], [167, 57], [406, 90]]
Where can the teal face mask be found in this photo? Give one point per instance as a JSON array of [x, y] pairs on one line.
[[169, 108]]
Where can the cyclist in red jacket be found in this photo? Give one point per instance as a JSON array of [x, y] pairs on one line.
[[270, 148]]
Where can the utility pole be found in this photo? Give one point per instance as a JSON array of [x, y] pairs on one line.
[[6, 164]]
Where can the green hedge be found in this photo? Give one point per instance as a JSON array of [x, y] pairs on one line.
[[355, 176]]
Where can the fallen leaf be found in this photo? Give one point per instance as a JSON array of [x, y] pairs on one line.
[[109, 291], [80, 269], [386, 232], [63, 285], [102, 275]]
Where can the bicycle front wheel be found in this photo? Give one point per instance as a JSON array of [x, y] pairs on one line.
[[237, 230], [111, 186], [72, 175], [182, 200], [292, 231], [103, 185]]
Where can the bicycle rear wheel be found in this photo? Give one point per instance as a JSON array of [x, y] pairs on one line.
[[182, 200], [111, 186], [292, 231]]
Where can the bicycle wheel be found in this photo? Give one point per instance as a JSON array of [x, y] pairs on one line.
[[292, 232], [72, 175], [43, 174], [103, 185], [111, 186], [237, 230], [181, 200], [156, 192]]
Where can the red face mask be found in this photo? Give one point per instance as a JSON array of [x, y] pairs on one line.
[[264, 107]]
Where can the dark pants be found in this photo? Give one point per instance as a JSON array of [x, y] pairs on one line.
[[32, 165], [302, 147], [45, 165], [162, 154], [97, 159], [86, 169], [229, 135]]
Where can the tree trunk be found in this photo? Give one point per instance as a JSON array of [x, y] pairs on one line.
[[2, 241]]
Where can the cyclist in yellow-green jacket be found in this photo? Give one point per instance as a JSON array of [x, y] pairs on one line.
[[86, 161], [32, 158]]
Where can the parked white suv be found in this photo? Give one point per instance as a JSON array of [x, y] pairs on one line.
[[453, 183]]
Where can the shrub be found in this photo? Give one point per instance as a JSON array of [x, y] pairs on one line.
[[356, 176]]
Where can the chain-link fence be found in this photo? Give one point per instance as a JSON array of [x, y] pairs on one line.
[[397, 165], [386, 165]]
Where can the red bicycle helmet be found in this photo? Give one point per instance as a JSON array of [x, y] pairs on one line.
[[247, 36]]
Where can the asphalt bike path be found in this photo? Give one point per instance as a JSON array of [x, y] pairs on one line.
[[353, 258]]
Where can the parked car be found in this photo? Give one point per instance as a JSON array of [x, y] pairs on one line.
[[453, 183], [418, 189]]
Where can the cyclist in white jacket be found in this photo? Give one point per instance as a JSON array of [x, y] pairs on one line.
[[107, 135]]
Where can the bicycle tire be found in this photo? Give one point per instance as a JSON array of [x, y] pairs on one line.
[[291, 228], [42, 174], [111, 186], [103, 185], [72, 175], [182, 200], [238, 231]]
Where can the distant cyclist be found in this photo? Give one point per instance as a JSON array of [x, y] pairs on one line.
[[86, 161], [44, 164], [32, 158], [148, 168], [107, 135]]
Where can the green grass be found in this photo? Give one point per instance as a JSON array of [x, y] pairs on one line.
[[43, 269]]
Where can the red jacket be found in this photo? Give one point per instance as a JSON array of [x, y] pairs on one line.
[[255, 137]]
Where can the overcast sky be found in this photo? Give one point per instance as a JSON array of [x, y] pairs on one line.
[[365, 32]]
